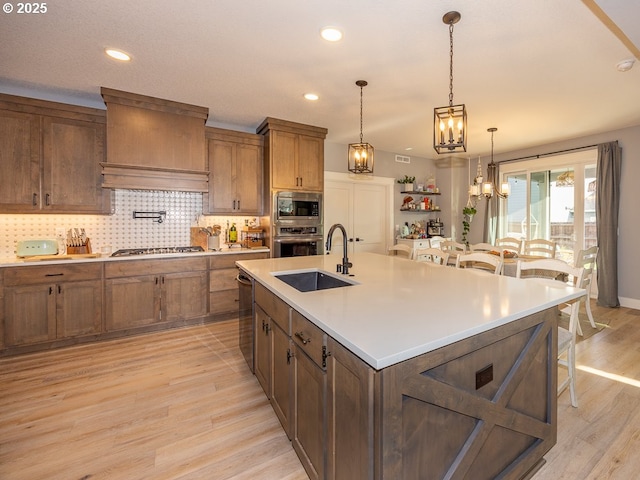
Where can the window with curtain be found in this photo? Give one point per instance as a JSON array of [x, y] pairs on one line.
[[552, 197]]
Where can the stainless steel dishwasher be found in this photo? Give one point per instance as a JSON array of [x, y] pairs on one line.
[[245, 316]]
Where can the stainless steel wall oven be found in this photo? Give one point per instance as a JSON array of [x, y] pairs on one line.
[[297, 224]]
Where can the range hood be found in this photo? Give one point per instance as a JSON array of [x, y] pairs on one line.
[[154, 144]]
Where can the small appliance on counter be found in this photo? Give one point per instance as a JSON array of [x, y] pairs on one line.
[[29, 248], [435, 228]]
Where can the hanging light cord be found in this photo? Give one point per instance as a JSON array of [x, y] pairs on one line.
[[451, 64], [361, 113]]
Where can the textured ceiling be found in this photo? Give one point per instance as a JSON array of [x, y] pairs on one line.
[[541, 71]]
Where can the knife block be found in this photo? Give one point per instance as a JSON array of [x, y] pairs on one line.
[[85, 248]]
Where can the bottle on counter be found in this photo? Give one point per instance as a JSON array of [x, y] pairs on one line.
[[233, 234]]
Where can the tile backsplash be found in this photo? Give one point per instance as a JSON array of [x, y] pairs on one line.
[[109, 233]]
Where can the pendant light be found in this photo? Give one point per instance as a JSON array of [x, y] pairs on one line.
[[488, 187], [360, 154], [450, 122]]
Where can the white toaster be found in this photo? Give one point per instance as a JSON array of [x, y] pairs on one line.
[[28, 248]]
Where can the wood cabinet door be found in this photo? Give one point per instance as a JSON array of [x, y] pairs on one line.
[[79, 308], [310, 163], [72, 174], [281, 393], [183, 295], [132, 302], [249, 179], [350, 415], [262, 350], [222, 173], [284, 154], [30, 314], [309, 414], [19, 162]]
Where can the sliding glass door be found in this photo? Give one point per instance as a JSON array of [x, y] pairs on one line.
[[552, 198]]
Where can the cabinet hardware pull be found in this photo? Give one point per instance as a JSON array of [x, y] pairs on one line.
[[50, 290], [238, 204], [300, 335], [53, 274], [59, 289], [35, 199], [234, 205], [268, 328], [263, 325], [156, 280], [325, 354], [47, 199], [289, 356]]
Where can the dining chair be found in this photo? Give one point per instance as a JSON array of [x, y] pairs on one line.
[[453, 248], [435, 241], [482, 247], [401, 250], [549, 272], [509, 243], [480, 261], [540, 247], [432, 255], [587, 259]]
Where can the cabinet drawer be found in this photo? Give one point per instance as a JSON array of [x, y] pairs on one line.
[[224, 301], [52, 274], [273, 306], [130, 268], [224, 279], [308, 337], [229, 260]]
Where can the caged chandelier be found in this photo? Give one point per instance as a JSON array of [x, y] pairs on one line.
[[360, 154], [450, 122], [489, 187]]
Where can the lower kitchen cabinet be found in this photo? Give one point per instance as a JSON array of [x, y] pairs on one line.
[[140, 293], [48, 303], [310, 387], [274, 354], [223, 287]]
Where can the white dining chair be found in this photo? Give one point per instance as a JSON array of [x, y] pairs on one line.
[[480, 261], [432, 255], [587, 259], [454, 249], [509, 243], [540, 247], [401, 251], [482, 247], [550, 272]]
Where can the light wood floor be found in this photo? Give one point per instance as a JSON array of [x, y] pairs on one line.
[[183, 405]]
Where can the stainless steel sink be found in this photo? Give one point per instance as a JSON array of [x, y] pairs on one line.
[[309, 281]]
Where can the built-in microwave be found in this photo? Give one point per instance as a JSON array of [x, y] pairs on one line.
[[297, 207]]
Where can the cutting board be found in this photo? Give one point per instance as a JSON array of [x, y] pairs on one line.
[[42, 258]]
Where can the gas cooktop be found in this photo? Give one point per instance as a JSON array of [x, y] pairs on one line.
[[126, 252]]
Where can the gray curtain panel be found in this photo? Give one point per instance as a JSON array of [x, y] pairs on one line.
[[607, 203]]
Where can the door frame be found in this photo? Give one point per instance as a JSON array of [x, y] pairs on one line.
[[387, 182]]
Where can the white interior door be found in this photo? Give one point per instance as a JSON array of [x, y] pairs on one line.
[[363, 207]]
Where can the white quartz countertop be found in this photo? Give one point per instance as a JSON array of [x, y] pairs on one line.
[[400, 308], [17, 261]]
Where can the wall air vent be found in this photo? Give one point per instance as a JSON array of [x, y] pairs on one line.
[[403, 159]]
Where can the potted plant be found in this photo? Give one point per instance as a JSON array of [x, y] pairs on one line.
[[407, 181], [468, 212]]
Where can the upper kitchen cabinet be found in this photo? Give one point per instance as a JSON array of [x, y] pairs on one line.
[[50, 155], [235, 172], [293, 155], [154, 144]]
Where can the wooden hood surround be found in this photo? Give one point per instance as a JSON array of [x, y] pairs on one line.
[[154, 144]]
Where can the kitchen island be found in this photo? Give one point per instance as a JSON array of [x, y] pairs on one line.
[[425, 371]]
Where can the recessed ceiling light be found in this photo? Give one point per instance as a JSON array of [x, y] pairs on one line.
[[331, 34], [625, 65], [117, 54], [408, 148], [311, 96]]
